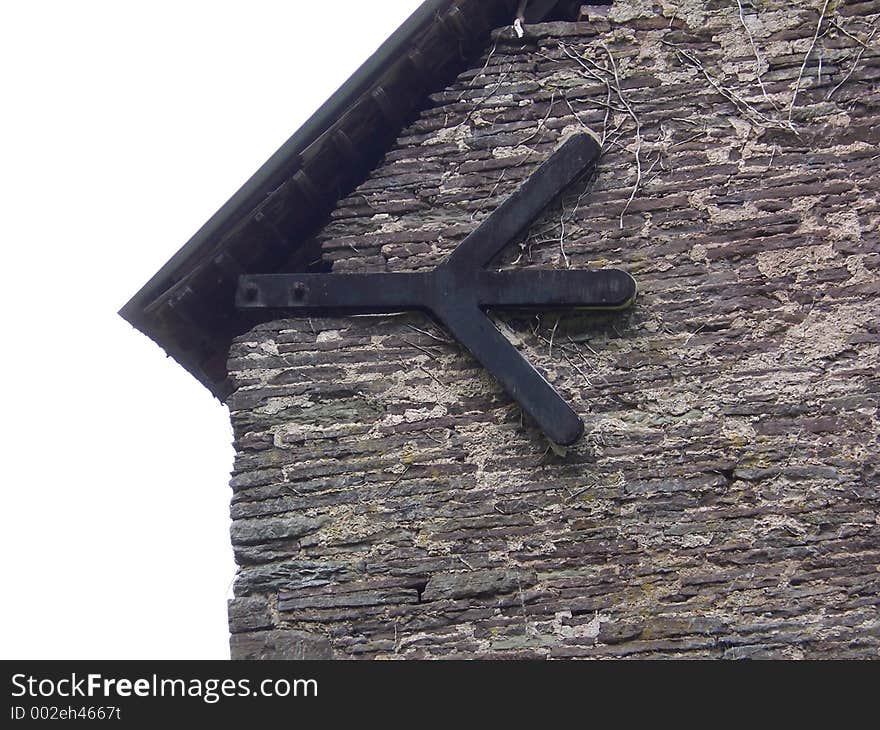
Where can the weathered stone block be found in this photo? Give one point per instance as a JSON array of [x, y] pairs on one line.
[[293, 645], [476, 584], [255, 531]]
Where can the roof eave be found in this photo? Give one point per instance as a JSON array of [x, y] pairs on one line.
[[161, 308]]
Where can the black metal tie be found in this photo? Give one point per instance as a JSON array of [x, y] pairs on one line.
[[459, 290]]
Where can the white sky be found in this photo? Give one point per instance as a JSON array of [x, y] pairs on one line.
[[124, 126]]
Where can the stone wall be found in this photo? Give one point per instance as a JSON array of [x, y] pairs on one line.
[[391, 501]]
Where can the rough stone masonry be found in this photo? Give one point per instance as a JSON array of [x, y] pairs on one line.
[[390, 500]]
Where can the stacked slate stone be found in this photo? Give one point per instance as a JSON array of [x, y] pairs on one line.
[[391, 501]]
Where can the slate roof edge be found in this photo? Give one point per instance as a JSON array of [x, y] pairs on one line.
[[190, 341], [278, 167]]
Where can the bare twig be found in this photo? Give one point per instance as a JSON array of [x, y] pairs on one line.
[[429, 436], [552, 336], [638, 124], [578, 369], [429, 334], [484, 99], [396, 481], [572, 215], [585, 344], [855, 62], [578, 493], [740, 103], [485, 66], [689, 139], [610, 77], [431, 375], [654, 164], [430, 354], [573, 112], [490, 196], [693, 334], [608, 108], [797, 85], [859, 41], [562, 238], [772, 156], [542, 122], [602, 79], [755, 50]]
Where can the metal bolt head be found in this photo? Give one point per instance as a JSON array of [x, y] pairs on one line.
[[299, 290], [251, 292]]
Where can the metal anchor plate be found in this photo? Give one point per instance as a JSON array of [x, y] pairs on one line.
[[459, 290]]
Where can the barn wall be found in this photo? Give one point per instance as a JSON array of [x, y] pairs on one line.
[[390, 500]]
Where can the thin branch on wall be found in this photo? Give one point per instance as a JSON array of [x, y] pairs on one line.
[[490, 196], [552, 337], [864, 46], [485, 66], [484, 99], [744, 106], [635, 118], [596, 76], [758, 61], [562, 241], [543, 122], [797, 85], [609, 76], [437, 338]]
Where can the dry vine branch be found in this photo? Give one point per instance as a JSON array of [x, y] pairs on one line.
[[638, 124], [430, 354], [603, 142], [444, 340], [484, 99], [859, 41], [485, 66], [609, 76], [562, 241], [864, 46], [578, 369], [742, 20], [797, 84], [740, 103], [542, 122], [490, 196], [595, 76], [552, 337]]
